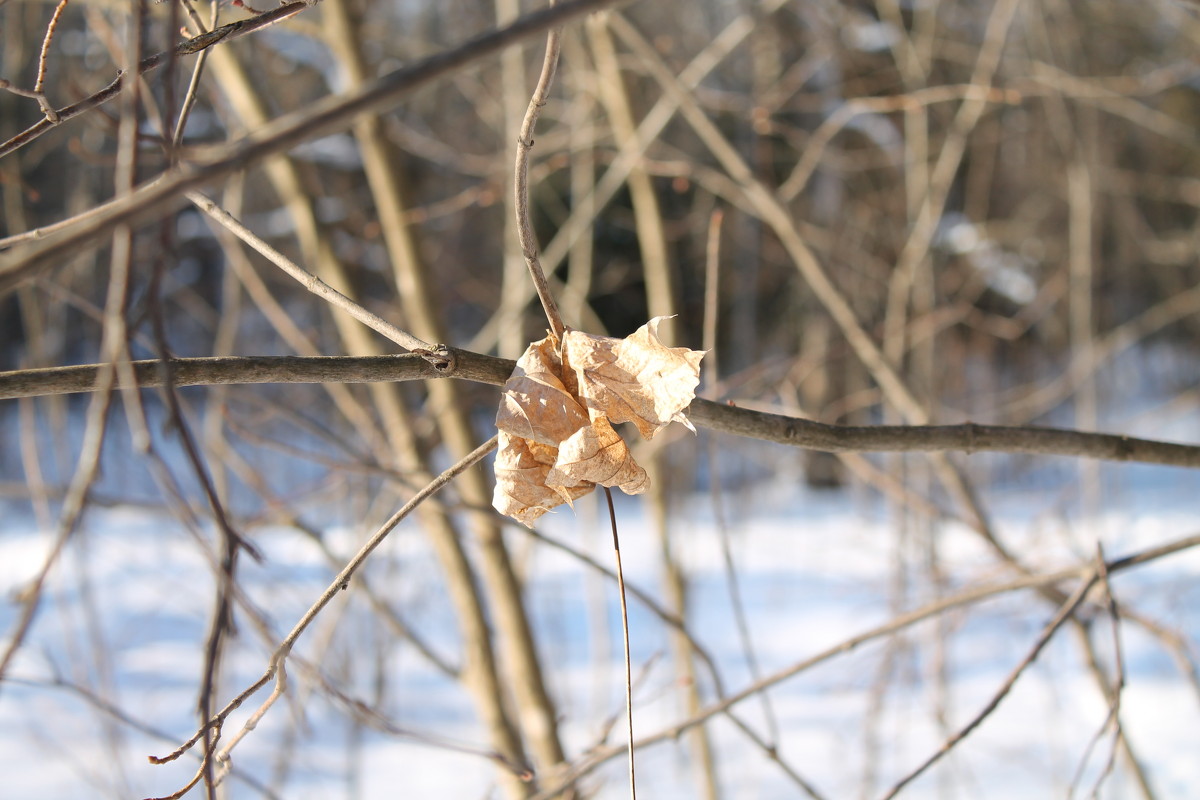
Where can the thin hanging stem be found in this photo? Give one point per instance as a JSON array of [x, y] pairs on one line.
[[612, 515]]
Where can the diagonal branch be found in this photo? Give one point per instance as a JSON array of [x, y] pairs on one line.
[[328, 115], [671, 733], [276, 665], [196, 44], [311, 282], [1064, 613]]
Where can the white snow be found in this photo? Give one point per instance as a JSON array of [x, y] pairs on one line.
[[814, 570]]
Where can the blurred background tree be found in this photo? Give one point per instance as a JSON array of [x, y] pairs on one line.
[[932, 211]]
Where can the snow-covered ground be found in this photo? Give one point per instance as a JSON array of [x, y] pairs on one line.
[[124, 618]]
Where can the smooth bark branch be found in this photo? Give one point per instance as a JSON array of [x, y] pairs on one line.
[[259, 369], [525, 234], [967, 437]]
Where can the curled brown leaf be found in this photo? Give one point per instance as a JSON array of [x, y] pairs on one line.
[[557, 441], [596, 454], [521, 490], [637, 379]]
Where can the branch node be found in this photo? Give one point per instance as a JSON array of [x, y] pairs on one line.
[[49, 112]]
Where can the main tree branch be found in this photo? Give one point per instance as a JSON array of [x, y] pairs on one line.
[[967, 437]]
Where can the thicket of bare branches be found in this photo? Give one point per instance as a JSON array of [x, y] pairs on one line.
[[933, 226]]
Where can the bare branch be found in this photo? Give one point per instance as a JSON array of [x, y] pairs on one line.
[[259, 369], [967, 437], [525, 234], [196, 44], [275, 668], [311, 282], [39, 86], [898, 623], [161, 197], [1064, 613]]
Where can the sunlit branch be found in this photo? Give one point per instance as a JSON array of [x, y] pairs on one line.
[[967, 437]]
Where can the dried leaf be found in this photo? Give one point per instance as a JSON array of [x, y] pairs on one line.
[[521, 491], [637, 379], [596, 454], [557, 441], [536, 405]]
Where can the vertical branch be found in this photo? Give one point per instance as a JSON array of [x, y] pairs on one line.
[[525, 234], [651, 235], [712, 296], [189, 97], [536, 714], [582, 215], [660, 301], [941, 178], [1133, 760], [741, 620], [39, 84], [1118, 685], [1082, 342]]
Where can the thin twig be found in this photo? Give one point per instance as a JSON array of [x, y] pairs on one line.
[[315, 120], [123, 717], [1114, 707], [712, 282], [906, 620], [632, 154], [222, 625], [612, 515], [196, 44], [40, 84], [351, 407], [339, 583], [189, 98], [73, 506], [675, 622], [369, 715], [525, 234], [712, 294], [38, 93], [311, 282], [1064, 613]]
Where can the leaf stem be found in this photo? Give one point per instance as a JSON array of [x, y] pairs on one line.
[[612, 515]]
